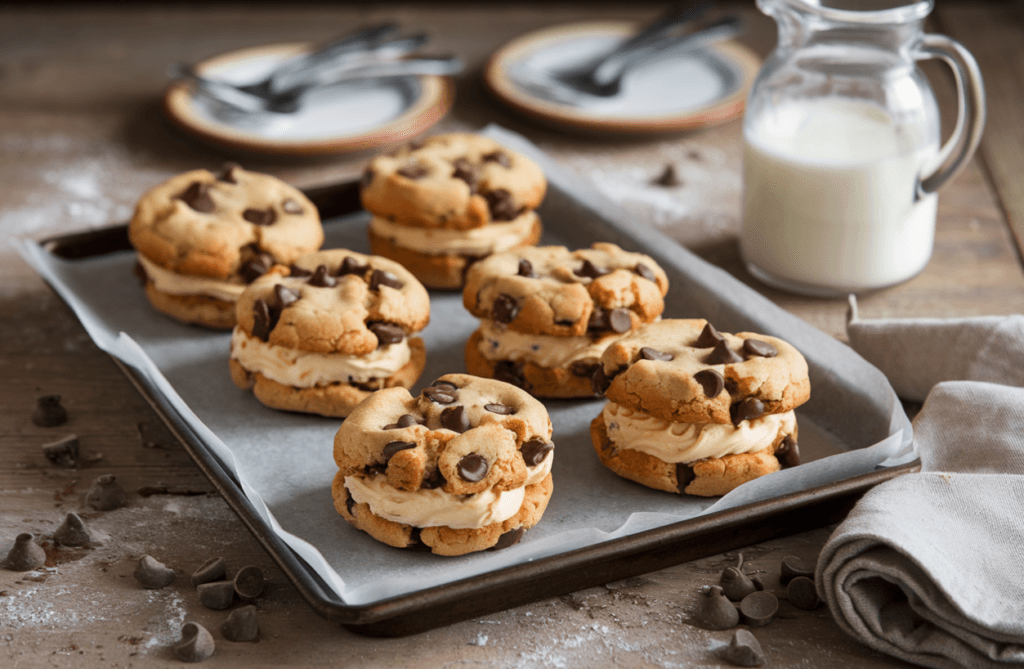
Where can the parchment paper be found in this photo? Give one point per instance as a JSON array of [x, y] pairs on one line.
[[283, 461]]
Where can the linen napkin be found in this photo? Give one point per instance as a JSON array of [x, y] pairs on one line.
[[929, 567]]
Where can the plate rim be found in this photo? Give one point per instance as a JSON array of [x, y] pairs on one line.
[[437, 94]]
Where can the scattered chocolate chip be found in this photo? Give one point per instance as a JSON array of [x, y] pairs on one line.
[[416, 541], [465, 171], [583, 368], [735, 584], [792, 566], [498, 157], [216, 595], [648, 353], [196, 643], [49, 412], [684, 476], [228, 173], [455, 419], [387, 333], [600, 381], [433, 481], [26, 554], [393, 447], [510, 538], [352, 266], [441, 394], [645, 272], [619, 320], [153, 574], [241, 625], [255, 267], [197, 196], [367, 179], [535, 450], [589, 270], [500, 409], [722, 355], [709, 337], [63, 452], [285, 296], [744, 650], [406, 420], [249, 582], [510, 372], [758, 608], [290, 206], [788, 452], [802, 594], [715, 612], [501, 205], [322, 278], [72, 532], [748, 409], [759, 348], [668, 177], [526, 269], [260, 216], [299, 271], [212, 570], [105, 494], [381, 277], [473, 467], [413, 171], [262, 320], [505, 308], [711, 381]]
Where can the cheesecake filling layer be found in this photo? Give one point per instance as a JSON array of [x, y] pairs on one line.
[[501, 343], [487, 239], [173, 283]]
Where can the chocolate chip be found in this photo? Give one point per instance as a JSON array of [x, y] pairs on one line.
[[227, 174], [407, 420], [792, 566], [72, 532], [619, 320], [788, 452], [153, 574], [393, 447], [350, 505], [501, 205], [197, 196], [711, 381], [598, 319], [498, 157], [668, 177], [285, 296], [413, 171], [648, 353], [440, 383], [535, 450], [260, 216], [63, 452], [645, 272], [735, 584], [684, 476], [748, 409], [416, 541], [441, 394], [105, 494], [381, 277], [510, 372], [500, 409], [510, 538], [212, 570], [241, 625], [367, 179], [262, 320], [49, 412], [196, 643], [255, 267], [473, 467], [709, 337], [758, 608], [387, 333], [433, 481], [722, 355], [249, 582], [322, 278], [26, 554], [759, 348], [465, 171], [216, 595], [351, 266], [583, 368], [589, 270], [290, 206], [505, 308], [455, 419], [802, 593], [600, 381], [715, 612], [744, 650], [526, 269]]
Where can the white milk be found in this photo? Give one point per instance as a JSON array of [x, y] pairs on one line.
[[828, 202]]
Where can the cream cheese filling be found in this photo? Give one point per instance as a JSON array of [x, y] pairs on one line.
[[689, 442], [487, 239], [305, 369], [437, 508], [501, 343], [173, 283]]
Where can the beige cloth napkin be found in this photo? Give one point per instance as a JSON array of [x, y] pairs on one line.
[[929, 567]]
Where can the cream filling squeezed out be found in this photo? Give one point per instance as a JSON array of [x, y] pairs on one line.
[[173, 283], [500, 343], [487, 239]]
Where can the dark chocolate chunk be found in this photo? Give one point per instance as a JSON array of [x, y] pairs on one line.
[[510, 372], [153, 574], [285, 296], [711, 381], [589, 270], [228, 173], [49, 412], [744, 650], [241, 625], [322, 278], [255, 267], [510, 538], [505, 308], [715, 612], [413, 171], [759, 348], [526, 269], [465, 171], [648, 353], [455, 419], [619, 320], [290, 206], [72, 532], [684, 476], [433, 481], [535, 450], [500, 409], [381, 277], [498, 157], [583, 368], [792, 566], [212, 570], [105, 494], [260, 216], [299, 271], [63, 452], [249, 582], [216, 595], [709, 337], [387, 333], [473, 467], [600, 381], [722, 355], [26, 554], [802, 593], [758, 608], [197, 196], [196, 643], [262, 320], [645, 272], [598, 319], [393, 447], [735, 584], [351, 266], [748, 409], [668, 177], [441, 394], [788, 452], [501, 205]]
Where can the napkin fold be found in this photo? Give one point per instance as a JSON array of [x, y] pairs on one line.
[[929, 567]]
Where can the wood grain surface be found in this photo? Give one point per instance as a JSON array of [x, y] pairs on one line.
[[82, 136]]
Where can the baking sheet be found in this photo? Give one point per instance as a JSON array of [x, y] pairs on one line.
[[283, 462]]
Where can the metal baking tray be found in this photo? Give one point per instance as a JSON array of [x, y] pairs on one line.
[[512, 586]]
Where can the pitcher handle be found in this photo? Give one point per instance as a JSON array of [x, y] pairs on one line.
[[970, 114]]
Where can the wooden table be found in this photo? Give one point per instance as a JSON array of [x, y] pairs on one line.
[[82, 136]]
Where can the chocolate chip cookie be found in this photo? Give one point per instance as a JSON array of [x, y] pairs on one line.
[[443, 203], [696, 411], [322, 335], [202, 238], [548, 313], [464, 466]]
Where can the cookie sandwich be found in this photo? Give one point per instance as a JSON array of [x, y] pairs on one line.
[[699, 412], [462, 467], [321, 336], [202, 238], [547, 314], [440, 204]]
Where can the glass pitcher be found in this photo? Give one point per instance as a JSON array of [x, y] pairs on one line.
[[841, 145]]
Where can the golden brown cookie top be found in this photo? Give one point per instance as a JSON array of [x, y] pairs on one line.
[[686, 371], [335, 301], [457, 181], [464, 434], [554, 291], [232, 226]]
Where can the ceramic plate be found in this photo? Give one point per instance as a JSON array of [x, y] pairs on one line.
[[690, 90], [346, 117]]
